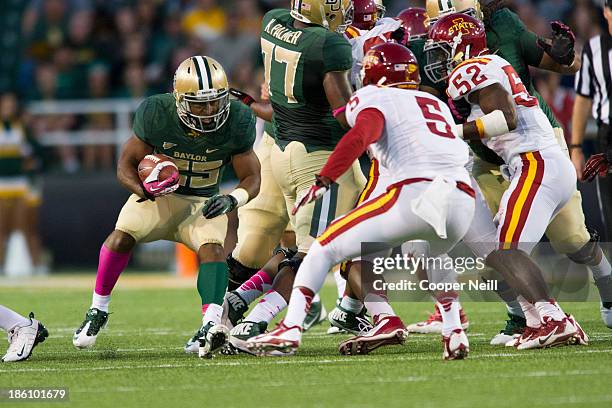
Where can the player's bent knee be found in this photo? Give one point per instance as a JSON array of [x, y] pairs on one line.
[[119, 241], [589, 252], [238, 273], [211, 252]]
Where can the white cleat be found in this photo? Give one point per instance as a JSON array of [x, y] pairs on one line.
[[216, 338], [282, 341], [85, 336], [433, 324], [528, 334], [456, 346], [501, 339], [552, 333], [23, 339], [580, 338]]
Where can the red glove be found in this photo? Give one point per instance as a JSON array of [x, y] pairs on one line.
[[561, 46], [316, 191], [156, 188], [598, 164], [242, 96]]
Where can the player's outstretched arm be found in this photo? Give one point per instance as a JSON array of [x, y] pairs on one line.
[[247, 169], [338, 91], [559, 55], [127, 168], [262, 109], [500, 114]]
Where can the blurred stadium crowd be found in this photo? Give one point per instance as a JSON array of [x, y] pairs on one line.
[[75, 49]]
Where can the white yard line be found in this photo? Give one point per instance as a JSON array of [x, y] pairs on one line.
[[294, 361]]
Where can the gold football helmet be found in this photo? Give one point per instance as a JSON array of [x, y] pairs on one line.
[[334, 15], [201, 91], [381, 8], [439, 8]]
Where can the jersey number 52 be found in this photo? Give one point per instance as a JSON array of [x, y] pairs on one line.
[[282, 56]]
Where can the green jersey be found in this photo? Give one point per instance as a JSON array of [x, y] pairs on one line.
[[14, 148], [200, 157], [508, 37], [295, 62]]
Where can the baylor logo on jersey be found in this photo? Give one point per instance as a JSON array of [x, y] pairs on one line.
[[189, 156]]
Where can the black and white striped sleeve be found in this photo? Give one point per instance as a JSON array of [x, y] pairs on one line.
[[584, 81]]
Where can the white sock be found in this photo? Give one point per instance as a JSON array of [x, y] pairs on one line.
[[352, 305], [267, 308], [340, 283], [532, 316], [298, 307], [602, 269], [378, 305], [100, 302], [9, 319], [213, 314], [451, 319], [550, 309]]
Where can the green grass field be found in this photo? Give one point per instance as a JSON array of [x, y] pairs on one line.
[[139, 361]]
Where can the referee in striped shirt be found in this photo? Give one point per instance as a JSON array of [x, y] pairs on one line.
[[593, 87]]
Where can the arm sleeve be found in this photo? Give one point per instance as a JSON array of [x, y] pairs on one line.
[[368, 129], [246, 131], [337, 53], [531, 53], [583, 84]]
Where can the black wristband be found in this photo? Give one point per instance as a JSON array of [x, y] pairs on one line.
[[575, 146]]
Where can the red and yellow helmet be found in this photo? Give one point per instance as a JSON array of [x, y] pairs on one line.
[[390, 64], [452, 39], [415, 22], [365, 14]]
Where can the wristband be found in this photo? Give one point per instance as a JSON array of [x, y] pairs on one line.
[[492, 124], [575, 146], [241, 196], [338, 111], [459, 130]]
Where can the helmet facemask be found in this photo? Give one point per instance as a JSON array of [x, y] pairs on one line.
[[442, 57], [205, 112]]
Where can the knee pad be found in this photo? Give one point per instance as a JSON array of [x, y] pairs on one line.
[[293, 263], [345, 267], [587, 253], [238, 273]]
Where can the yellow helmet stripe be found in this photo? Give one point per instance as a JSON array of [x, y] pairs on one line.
[[198, 71]]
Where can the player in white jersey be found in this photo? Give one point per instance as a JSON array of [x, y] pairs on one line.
[[510, 122], [410, 133]]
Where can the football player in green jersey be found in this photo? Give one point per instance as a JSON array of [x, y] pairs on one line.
[[202, 131], [307, 64], [509, 38]]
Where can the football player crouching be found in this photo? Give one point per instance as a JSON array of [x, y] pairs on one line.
[[435, 168], [202, 130]]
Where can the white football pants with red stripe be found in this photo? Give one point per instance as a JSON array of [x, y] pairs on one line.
[[541, 183], [386, 218]]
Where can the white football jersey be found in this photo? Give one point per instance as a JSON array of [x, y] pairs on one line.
[[363, 40], [418, 139], [533, 131]]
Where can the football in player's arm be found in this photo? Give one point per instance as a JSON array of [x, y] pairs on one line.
[[202, 131]]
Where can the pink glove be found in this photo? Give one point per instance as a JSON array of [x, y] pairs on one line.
[[155, 188]]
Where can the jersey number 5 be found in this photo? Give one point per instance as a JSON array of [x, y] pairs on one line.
[[519, 92], [436, 123], [282, 56]]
